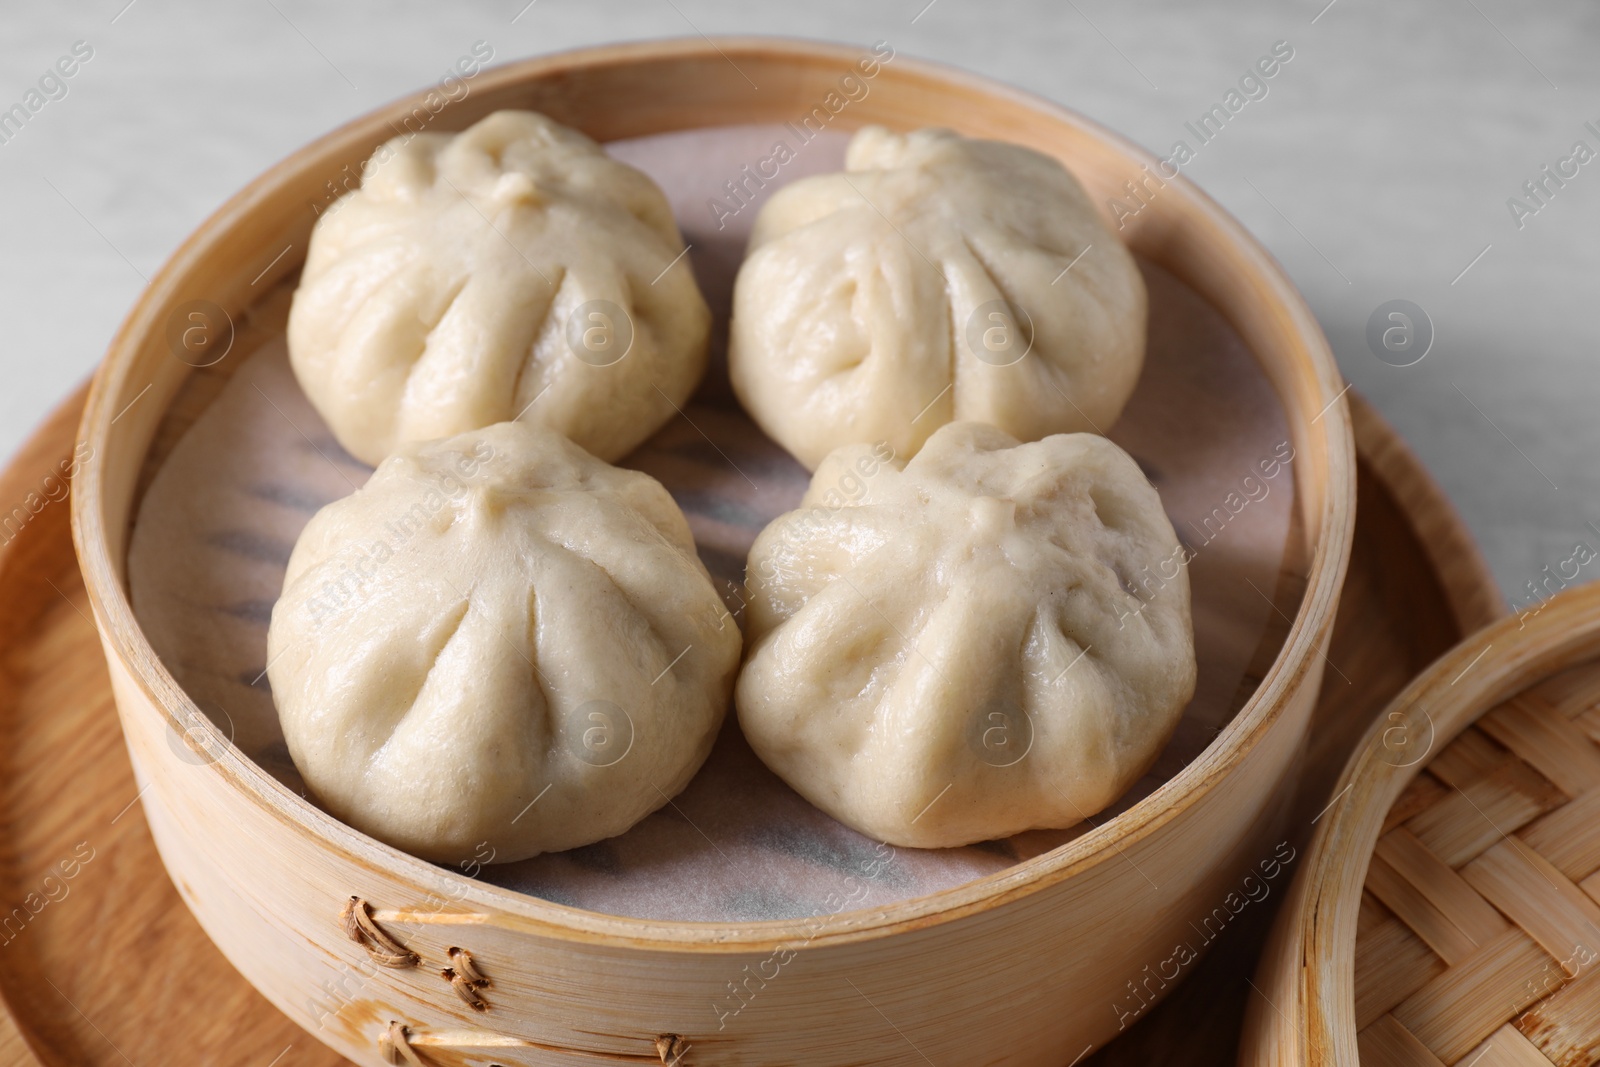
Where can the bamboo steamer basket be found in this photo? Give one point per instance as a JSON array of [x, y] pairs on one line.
[[1449, 907], [346, 935]]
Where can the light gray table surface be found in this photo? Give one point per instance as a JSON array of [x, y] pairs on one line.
[[1378, 167]]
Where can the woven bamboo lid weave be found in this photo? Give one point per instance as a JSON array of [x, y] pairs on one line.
[[1449, 907], [1479, 928]]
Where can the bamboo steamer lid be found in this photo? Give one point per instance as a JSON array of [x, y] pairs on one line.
[[1449, 909], [1479, 925]]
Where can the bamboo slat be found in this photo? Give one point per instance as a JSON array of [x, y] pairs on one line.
[[1506, 1047], [1469, 820], [1561, 836], [1388, 1044], [1565, 1026], [1391, 963], [1471, 757], [1435, 901]]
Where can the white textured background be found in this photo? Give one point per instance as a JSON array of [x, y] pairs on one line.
[[1378, 167]]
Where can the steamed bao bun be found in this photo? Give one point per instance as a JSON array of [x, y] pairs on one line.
[[472, 273], [885, 301], [991, 638], [483, 645]]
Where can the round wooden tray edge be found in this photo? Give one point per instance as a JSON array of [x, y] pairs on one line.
[[39, 455], [1470, 586]]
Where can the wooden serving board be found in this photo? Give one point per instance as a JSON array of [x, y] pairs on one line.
[[101, 963]]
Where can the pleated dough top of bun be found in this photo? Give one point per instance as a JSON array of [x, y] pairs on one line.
[[499, 640], [513, 270], [937, 278], [991, 638]]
